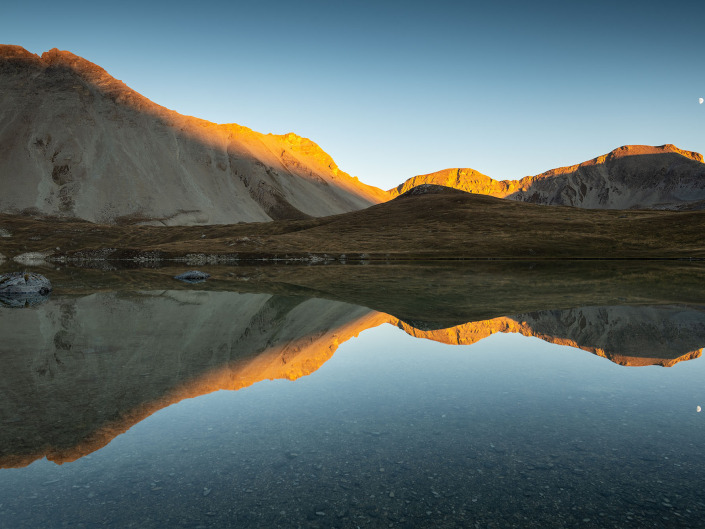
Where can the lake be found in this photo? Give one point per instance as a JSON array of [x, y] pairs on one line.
[[485, 395]]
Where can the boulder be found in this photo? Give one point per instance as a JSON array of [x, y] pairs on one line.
[[193, 276], [19, 289]]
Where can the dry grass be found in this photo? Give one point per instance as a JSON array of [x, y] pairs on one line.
[[447, 225]]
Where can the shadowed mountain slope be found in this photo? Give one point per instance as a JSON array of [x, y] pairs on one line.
[[630, 177], [75, 142]]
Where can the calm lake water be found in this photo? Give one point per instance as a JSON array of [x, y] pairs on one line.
[[223, 409]]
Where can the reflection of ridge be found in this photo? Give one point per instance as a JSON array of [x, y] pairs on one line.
[[77, 372], [630, 336]]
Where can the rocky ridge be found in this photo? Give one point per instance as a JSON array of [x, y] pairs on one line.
[[630, 177]]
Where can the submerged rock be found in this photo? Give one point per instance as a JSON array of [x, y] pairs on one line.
[[193, 276], [19, 289], [25, 300]]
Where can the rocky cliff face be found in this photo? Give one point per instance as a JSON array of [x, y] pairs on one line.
[[633, 176], [76, 142]]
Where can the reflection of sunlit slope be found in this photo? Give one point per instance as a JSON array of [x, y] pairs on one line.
[[78, 372], [78, 142], [630, 336]]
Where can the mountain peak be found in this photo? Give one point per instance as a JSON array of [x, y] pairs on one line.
[[630, 176], [101, 151], [57, 57], [430, 189], [634, 150], [12, 51]]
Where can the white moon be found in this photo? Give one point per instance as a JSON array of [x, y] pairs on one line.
[[701, 100]]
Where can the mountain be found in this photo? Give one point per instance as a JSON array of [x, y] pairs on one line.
[[75, 142], [630, 177]]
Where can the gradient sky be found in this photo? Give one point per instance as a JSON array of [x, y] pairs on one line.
[[395, 89]]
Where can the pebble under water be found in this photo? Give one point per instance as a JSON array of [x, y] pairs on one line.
[[394, 431]]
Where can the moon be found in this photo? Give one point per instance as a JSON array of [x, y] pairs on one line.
[[701, 100]]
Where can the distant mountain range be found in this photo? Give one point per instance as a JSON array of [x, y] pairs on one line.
[[631, 177], [75, 142]]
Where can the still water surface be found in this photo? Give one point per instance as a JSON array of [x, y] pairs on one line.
[[379, 430]]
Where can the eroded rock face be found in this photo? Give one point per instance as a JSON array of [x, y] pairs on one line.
[[633, 176], [74, 141]]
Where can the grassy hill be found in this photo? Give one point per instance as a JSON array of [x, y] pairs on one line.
[[431, 222]]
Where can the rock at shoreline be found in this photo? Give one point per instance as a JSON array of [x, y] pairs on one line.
[[193, 276], [19, 289]]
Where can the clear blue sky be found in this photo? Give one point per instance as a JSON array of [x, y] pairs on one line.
[[395, 89]]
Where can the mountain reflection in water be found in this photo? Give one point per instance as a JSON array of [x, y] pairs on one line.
[[79, 371]]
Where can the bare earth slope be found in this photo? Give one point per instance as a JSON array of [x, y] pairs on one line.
[[633, 176], [75, 142]]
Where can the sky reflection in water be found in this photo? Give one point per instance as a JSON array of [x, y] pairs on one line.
[[508, 432]]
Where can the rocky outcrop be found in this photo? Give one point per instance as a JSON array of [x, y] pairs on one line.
[[76, 142], [633, 176], [193, 276], [19, 289], [429, 189], [467, 180]]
